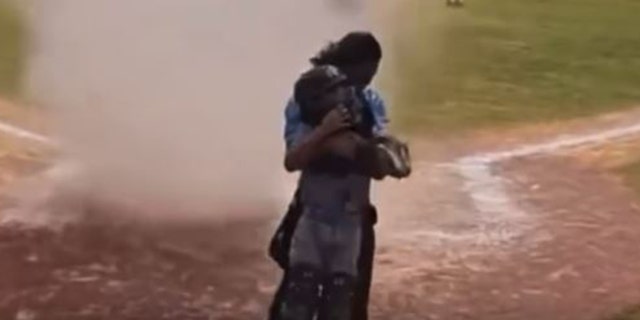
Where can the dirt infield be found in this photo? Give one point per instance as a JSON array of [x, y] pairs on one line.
[[96, 271], [573, 256]]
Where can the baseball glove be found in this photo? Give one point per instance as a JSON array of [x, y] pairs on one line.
[[385, 156], [394, 156]]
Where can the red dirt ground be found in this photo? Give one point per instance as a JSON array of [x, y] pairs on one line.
[[577, 260]]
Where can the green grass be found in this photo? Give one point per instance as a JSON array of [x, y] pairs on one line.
[[500, 62], [12, 34], [631, 314], [631, 174]]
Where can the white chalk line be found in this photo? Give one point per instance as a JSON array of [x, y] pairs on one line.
[[24, 134], [499, 214], [54, 171]]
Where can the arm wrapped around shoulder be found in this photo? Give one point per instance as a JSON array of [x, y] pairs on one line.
[[385, 156]]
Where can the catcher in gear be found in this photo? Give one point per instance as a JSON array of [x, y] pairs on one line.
[[358, 55], [337, 157]]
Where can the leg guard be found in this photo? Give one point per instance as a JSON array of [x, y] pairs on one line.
[[301, 298], [337, 298], [365, 270]]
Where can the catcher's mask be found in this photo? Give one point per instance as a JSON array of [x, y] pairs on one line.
[[319, 90]]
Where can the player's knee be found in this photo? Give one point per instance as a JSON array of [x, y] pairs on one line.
[[338, 297], [300, 300]]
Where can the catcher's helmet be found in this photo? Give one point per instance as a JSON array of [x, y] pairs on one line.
[[313, 87]]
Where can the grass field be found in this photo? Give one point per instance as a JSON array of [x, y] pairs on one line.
[[631, 314], [12, 34], [631, 174], [497, 62]]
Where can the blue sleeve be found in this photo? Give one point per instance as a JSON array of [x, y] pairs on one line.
[[379, 110], [294, 128]]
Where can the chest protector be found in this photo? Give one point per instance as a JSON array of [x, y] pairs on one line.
[[363, 122]]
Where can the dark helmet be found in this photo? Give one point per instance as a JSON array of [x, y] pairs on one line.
[[313, 83], [310, 89]]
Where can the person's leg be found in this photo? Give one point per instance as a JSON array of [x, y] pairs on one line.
[[304, 276], [278, 297], [339, 288], [280, 244], [279, 249], [365, 271], [337, 297]]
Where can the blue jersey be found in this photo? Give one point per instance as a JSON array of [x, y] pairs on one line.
[[294, 127]]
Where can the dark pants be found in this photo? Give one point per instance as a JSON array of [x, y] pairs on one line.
[[279, 252]]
